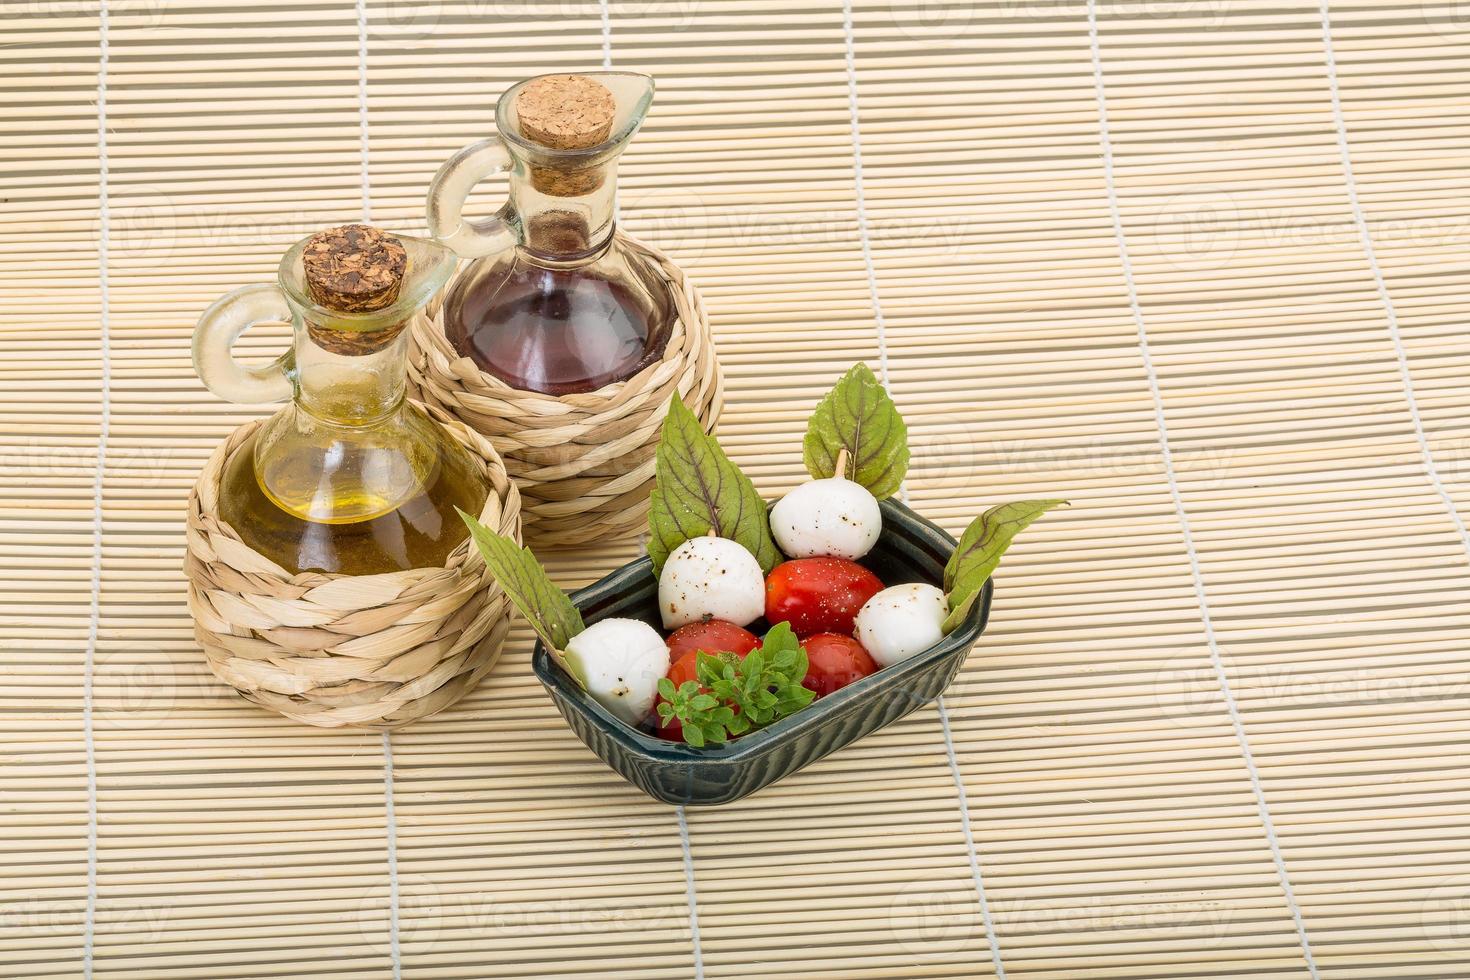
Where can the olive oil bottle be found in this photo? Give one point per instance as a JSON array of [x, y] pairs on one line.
[[350, 477]]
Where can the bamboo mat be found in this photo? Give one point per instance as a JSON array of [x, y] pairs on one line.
[[1199, 265]]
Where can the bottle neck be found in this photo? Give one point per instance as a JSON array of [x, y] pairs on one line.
[[565, 216], [350, 381]]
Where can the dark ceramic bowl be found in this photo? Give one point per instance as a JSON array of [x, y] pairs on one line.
[[910, 549]]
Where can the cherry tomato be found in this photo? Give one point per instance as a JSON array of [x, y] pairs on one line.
[[685, 643], [711, 636], [834, 661], [818, 595]]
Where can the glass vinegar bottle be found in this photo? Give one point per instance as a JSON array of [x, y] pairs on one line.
[[349, 477], [554, 301]]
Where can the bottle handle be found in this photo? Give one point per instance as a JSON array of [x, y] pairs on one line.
[[451, 186], [221, 325]]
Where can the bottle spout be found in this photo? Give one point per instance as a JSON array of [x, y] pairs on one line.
[[430, 266]]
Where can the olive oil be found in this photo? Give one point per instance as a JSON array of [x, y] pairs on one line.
[[369, 532]]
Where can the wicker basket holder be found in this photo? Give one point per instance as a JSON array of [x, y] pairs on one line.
[[584, 463], [367, 651]]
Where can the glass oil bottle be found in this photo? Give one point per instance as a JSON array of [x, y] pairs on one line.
[[554, 301], [349, 477]]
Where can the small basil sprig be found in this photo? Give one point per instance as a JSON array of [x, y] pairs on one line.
[[858, 416], [733, 695], [546, 607], [697, 490]]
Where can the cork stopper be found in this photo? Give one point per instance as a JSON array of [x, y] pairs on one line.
[[354, 269], [565, 112]]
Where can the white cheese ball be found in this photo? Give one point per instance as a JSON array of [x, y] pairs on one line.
[[623, 660], [711, 578], [901, 621], [833, 517]]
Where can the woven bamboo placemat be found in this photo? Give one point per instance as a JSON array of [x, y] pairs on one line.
[[1199, 265]]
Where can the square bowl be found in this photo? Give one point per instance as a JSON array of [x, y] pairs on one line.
[[910, 549]]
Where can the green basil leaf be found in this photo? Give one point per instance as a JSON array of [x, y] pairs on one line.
[[546, 607], [698, 489], [694, 735], [780, 637], [798, 670], [792, 705], [706, 668], [980, 550], [755, 662], [859, 416]]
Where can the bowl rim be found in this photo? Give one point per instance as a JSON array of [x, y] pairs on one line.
[[841, 702]]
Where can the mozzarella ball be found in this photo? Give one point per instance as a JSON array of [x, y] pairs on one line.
[[623, 660], [833, 517], [901, 621], [711, 578]]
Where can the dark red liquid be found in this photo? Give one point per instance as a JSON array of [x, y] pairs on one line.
[[559, 332]]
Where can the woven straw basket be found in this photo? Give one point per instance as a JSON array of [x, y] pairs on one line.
[[584, 463], [369, 651]]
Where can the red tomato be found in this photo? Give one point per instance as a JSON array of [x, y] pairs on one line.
[[818, 595], [834, 661], [711, 636], [686, 642]]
